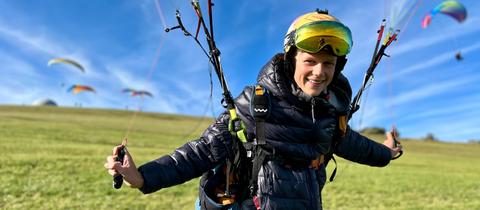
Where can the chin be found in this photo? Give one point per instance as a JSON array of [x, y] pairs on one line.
[[316, 92], [313, 94]]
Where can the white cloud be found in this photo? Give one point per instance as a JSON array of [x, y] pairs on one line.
[[429, 90], [27, 40], [460, 106]]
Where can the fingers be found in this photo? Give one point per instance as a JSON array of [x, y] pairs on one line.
[[398, 148], [111, 164], [128, 170], [112, 172], [116, 149], [115, 167], [128, 160], [389, 135], [392, 143], [389, 142]]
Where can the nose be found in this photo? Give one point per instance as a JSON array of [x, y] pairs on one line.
[[317, 69]]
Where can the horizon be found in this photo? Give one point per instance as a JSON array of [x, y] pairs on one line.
[[132, 111]]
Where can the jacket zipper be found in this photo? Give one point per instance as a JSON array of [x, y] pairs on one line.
[[312, 102]]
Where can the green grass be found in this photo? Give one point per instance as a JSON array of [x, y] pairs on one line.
[[52, 158]]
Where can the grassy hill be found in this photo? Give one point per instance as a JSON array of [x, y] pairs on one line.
[[52, 158]]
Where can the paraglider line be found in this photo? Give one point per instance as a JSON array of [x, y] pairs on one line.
[[150, 72], [410, 16]]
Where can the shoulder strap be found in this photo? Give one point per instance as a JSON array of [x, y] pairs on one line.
[[260, 110]]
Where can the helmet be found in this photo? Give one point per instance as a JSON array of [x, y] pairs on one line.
[[314, 31]]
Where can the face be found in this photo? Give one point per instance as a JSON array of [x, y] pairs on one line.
[[314, 71]]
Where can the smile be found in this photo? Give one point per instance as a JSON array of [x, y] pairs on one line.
[[315, 82]]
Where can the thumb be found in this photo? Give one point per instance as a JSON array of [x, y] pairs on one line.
[[389, 142], [127, 159]]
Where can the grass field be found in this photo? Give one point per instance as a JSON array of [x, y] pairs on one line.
[[52, 158]]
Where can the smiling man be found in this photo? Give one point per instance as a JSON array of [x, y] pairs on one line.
[[314, 72], [285, 152]]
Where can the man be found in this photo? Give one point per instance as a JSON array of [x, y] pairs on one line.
[[308, 103]]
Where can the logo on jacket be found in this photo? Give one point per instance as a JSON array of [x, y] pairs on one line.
[[260, 110]]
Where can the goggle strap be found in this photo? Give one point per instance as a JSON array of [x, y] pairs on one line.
[[290, 39]]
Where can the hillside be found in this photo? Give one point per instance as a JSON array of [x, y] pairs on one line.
[[52, 153]]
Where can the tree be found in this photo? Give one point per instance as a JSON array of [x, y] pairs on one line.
[[473, 141], [430, 137], [373, 130]]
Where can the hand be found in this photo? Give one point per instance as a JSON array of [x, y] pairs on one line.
[[128, 170], [395, 147]]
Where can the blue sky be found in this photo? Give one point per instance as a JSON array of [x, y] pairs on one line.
[[421, 88]]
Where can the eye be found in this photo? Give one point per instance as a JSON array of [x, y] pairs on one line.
[[310, 61], [329, 64]]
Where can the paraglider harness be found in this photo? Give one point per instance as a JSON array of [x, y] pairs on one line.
[[225, 186], [248, 156], [223, 183]]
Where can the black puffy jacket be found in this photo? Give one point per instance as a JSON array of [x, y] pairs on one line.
[[298, 126]]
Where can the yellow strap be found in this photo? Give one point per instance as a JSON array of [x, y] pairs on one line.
[[233, 114], [241, 133], [342, 125]]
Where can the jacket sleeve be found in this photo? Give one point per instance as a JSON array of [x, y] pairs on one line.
[[360, 149], [188, 161]]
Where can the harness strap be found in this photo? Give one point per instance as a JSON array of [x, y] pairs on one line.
[[260, 130], [334, 172], [259, 109], [258, 159], [237, 130], [341, 132]]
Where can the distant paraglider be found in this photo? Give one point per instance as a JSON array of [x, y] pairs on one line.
[[451, 8], [459, 56], [134, 92], [75, 89], [66, 61]]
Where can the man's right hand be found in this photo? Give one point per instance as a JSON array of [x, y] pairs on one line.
[[127, 169]]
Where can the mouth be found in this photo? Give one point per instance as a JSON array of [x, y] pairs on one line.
[[316, 81]]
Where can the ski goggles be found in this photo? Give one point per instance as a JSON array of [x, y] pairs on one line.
[[313, 37]]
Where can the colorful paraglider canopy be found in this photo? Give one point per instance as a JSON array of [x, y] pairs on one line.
[[128, 90], [142, 93], [79, 88], [66, 61], [451, 8], [134, 92]]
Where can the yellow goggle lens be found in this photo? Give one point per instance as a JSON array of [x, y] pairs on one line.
[[314, 36]]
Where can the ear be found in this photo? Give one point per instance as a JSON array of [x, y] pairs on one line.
[[289, 62], [341, 61]]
